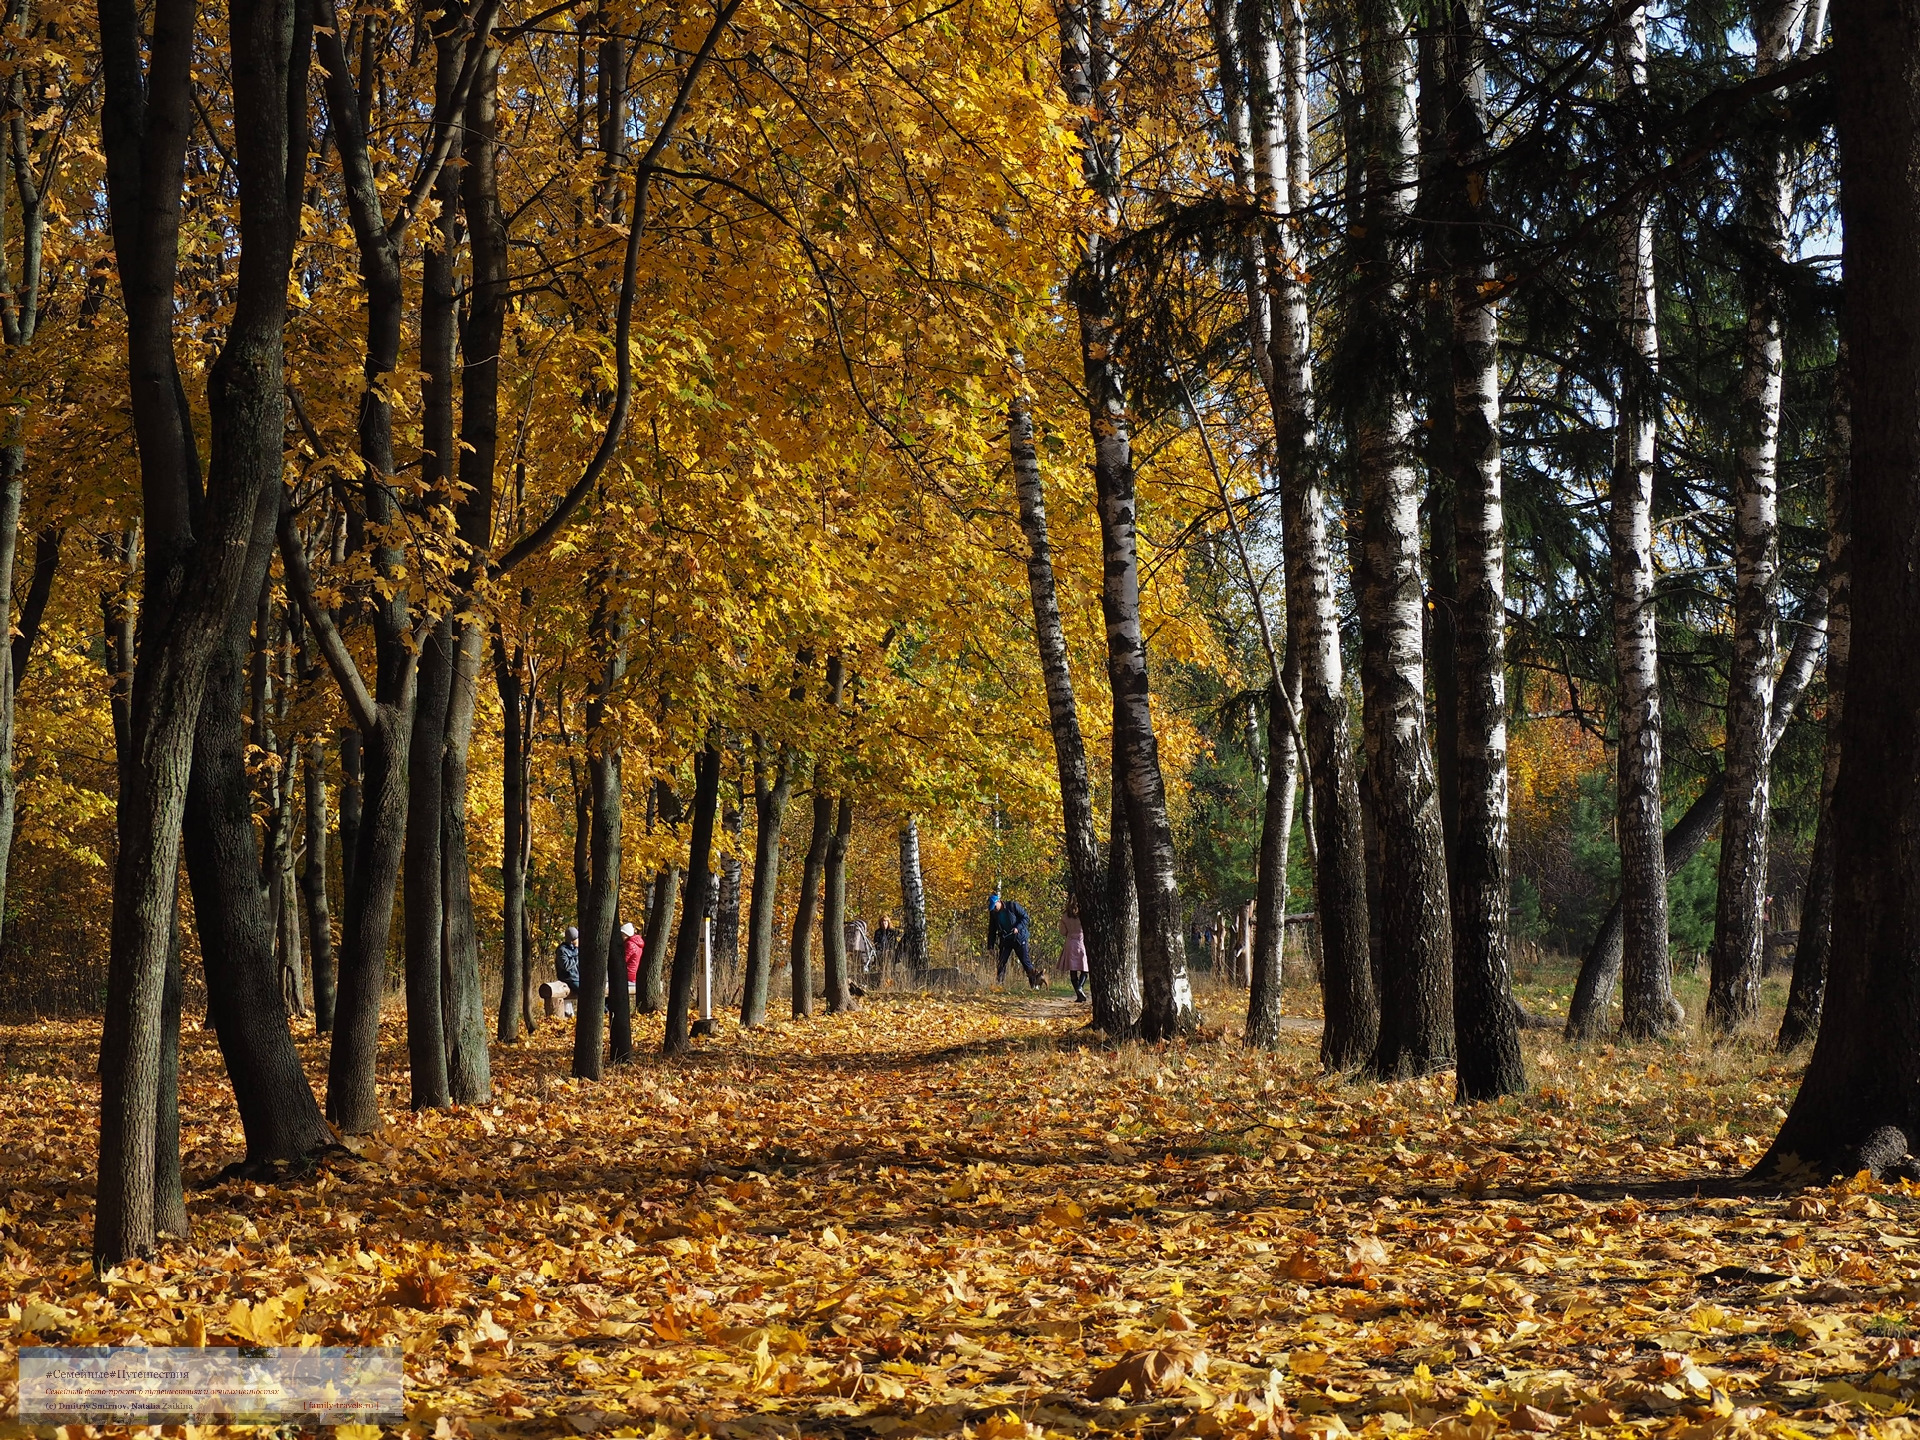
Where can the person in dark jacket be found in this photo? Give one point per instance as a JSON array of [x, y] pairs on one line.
[[1007, 933], [566, 964]]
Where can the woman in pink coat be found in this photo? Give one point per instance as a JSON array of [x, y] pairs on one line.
[[1073, 949], [636, 948]]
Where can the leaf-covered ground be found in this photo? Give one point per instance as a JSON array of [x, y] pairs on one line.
[[957, 1217]]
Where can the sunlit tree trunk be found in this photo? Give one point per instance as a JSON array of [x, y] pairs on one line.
[[1416, 1000], [913, 900], [1649, 1006], [808, 907], [661, 906], [686, 949]]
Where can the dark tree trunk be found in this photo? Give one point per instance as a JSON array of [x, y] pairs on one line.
[[770, 813], [653, 966], [1859, 1104], [833, 912], [352, 801], [197, 554], [809, 900], [686, 949], [231, 904], [603, 966], [426, 1015], [726, 905], [469, 1068], [313, 884], [515, 790], [1812, 957], [1276, 834]]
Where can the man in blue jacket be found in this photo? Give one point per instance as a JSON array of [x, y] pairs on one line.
[[1007, 933]]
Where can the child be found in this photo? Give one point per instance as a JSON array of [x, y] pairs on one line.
[[1073, 949]]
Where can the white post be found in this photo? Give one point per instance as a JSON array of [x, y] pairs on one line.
[[706, 970]]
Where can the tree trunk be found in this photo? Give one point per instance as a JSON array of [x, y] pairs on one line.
[[516, 737], [1270, 898], [603, 966], [1859, 1104], [1167, 1007], [1116, 994], [352, 802], [804, 911], [469, 1068], [833, 912], [653, 970], [770, 813], [12, 485], [1486, 1032], [686, 950], [196, 566], [913, 901], [1650, 1009], [1416, 997], [425, 874], [726, 905], [313, 885], [1281, 176], [1739, 921], [1812, 957], [1600, 967], [1085, 866]]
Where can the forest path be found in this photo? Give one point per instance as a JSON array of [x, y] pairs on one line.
[[937, 1215]]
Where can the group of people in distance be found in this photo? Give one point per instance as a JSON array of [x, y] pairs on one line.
[[1008, 927]]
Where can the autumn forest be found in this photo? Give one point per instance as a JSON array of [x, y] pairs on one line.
[[969, 717]]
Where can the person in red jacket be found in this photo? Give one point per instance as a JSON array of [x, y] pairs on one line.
[[636, 947]]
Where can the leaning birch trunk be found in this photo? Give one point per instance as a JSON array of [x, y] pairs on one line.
[[1649, 1006], [1807, 995], [1486, 1032], [833, 912], [1739, 920], [1278, 107], [1084, 863], [1416, 1000], [1167, 1007], [913, 900]]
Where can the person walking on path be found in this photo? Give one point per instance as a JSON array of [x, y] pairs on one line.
[[566, 965], [1073, 949], [1007, 933]]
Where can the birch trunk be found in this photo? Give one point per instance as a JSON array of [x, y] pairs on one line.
[[913, 900], [1486, 1032], [1416, 1010], [1084, 862], [1649, 1006], [1167, 1007], [1739, 922], [1278, 107]]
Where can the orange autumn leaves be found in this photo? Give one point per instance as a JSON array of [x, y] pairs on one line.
[[955, 1217]]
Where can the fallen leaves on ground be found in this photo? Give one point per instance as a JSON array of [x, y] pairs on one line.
[[963, 1217]]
